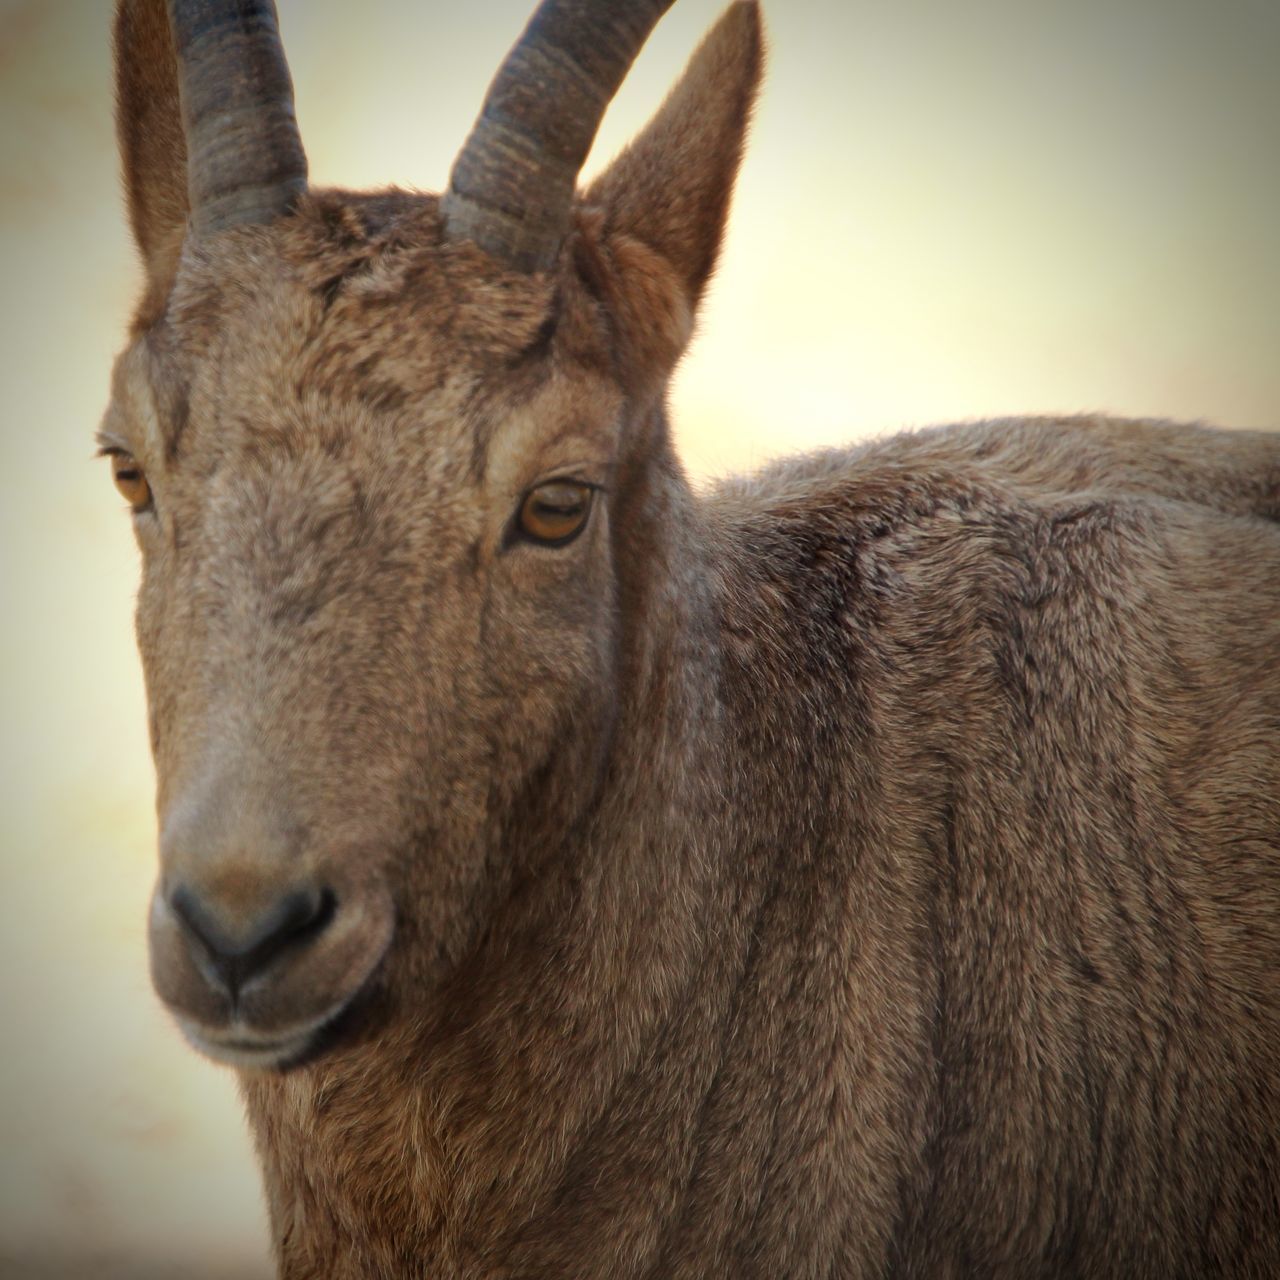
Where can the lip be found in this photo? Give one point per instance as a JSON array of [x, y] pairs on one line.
[[239, 1045]]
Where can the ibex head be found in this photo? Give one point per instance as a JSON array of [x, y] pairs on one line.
[[400, 477]]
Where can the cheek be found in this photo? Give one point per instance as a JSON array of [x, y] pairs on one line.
[[159, 645], [549, 649], [174, 620]]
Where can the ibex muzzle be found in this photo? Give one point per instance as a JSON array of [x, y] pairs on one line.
[[262, 931]]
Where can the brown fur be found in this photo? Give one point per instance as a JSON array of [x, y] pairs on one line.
[[871, 868]]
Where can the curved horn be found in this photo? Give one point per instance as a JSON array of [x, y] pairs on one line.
[[244, 156], [511, 190]]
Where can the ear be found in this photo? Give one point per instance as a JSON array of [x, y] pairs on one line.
[[153, 151], [670, 189]]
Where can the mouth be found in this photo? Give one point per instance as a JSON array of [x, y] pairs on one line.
[[239, 1045]]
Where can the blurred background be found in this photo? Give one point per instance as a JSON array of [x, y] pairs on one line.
[[947, 211]]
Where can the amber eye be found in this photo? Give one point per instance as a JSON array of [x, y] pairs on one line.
[[556, 512], [131, 480]]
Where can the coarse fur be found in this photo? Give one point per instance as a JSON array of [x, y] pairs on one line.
[[869, 868]]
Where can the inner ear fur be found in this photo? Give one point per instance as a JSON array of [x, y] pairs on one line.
[[668, 193], [153, 151]]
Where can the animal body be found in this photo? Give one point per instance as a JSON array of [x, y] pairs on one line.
[[869, 868]]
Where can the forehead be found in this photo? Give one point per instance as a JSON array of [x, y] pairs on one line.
[[355, 309]]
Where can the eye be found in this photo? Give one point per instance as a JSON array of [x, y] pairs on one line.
[[556, 512], [131, 480]]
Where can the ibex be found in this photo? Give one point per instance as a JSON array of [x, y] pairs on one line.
[[870, 868]]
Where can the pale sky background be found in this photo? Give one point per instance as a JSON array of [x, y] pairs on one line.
[[948, 210]]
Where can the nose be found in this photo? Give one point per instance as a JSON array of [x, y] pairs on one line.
[[240, 944]]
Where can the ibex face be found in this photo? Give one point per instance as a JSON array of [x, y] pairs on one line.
[[386, 456], [371, 601]]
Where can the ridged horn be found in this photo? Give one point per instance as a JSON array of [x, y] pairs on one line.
[[511, 189], [245, 161]]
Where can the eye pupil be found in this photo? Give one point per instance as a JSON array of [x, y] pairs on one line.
[[556, 512]]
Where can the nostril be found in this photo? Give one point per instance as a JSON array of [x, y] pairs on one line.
[[240, 944]]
